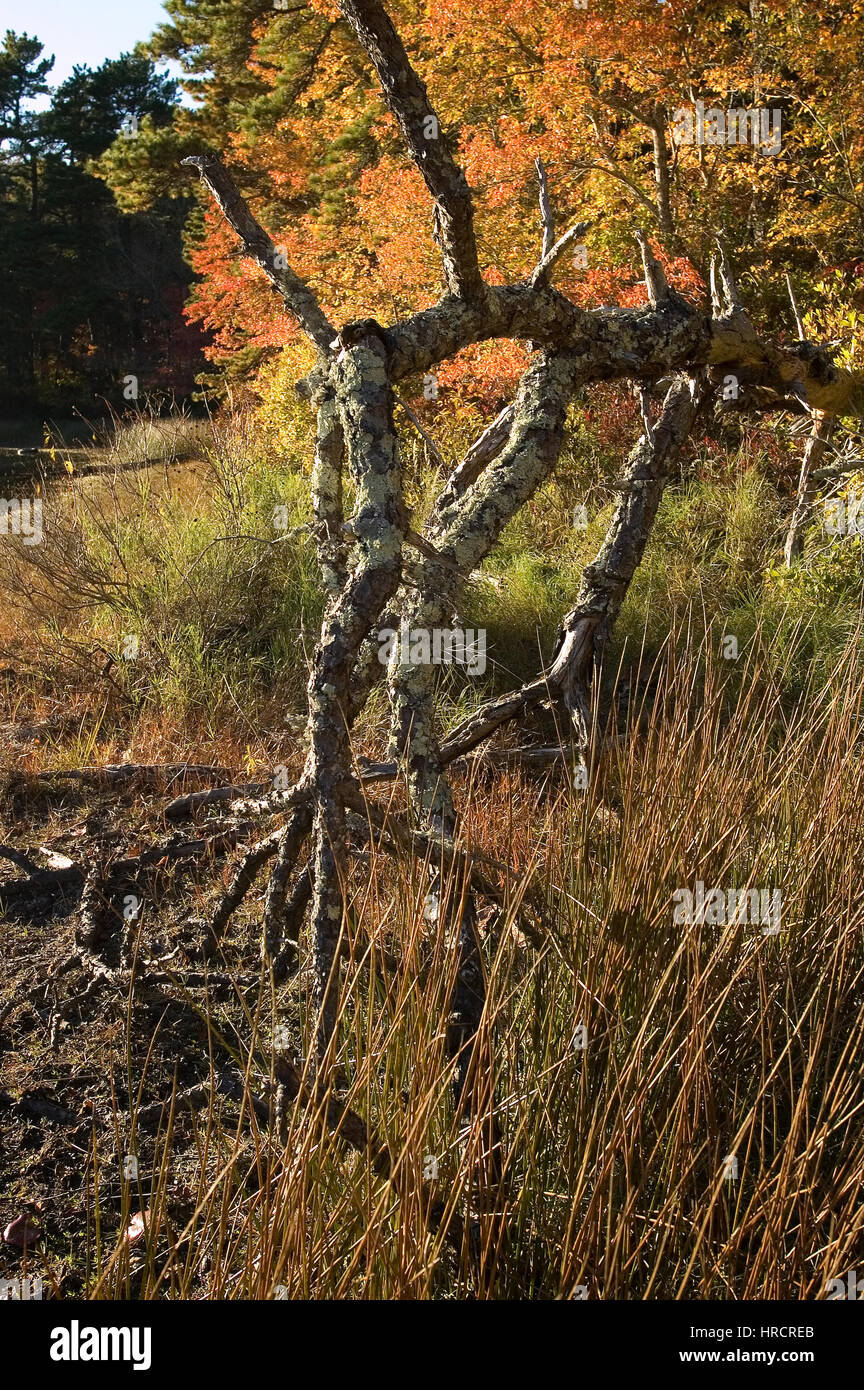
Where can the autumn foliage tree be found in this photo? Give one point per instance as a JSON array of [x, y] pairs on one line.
[[284, 94]]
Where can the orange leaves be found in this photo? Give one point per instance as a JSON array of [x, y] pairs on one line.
[[500, 164], [486, 372], [511, 80], [234, 297], [394, 215]]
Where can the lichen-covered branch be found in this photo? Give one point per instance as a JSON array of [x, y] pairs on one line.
[[648, 342], [485, 448], [467, 531], [365, 400], [547, 217], [613, 343], [587, 627], [604, 585], [327, 491], [407, 98], [542, 272], [291, 840]]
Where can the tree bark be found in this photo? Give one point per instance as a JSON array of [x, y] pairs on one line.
[[371, 582]]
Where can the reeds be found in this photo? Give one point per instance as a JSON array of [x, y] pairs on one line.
[[679, 1107]]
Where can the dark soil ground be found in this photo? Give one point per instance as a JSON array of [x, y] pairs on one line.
[[81, 1050]]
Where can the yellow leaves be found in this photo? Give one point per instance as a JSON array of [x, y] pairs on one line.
[[285, 419]]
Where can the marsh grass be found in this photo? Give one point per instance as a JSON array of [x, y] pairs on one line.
[[703, 1041]]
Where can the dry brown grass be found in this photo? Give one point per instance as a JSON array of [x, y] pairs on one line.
[[703, 1041]]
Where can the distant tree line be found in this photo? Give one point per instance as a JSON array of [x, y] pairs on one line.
[[89, 294]]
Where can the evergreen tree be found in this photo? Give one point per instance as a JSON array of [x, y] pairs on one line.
[[89, 293]]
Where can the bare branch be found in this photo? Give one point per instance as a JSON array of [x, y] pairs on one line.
[[242, 881], [728, 283], [407, 98], [346, 1124], [485, 448], [540, 276], [547, 218], [716, 301], [427, 548], [437, 456], [645, 407], [292, 837], [653, 116], [640, 194], [798, 324], [298, 297], [820, 438], [655, 277]]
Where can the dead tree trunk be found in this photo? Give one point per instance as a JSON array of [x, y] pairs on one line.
[[377, 571]]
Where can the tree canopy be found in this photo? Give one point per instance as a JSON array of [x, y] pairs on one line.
[[591, 91]]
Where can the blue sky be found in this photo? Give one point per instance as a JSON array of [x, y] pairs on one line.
[[82, 31]]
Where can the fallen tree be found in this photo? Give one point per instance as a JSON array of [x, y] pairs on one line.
[[378, 572]]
